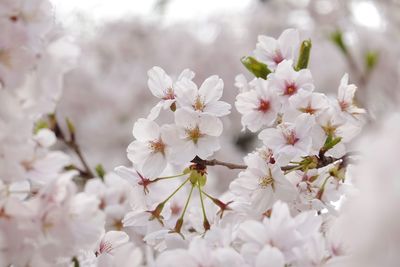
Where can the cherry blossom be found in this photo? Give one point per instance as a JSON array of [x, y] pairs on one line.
[[149, 151], [264, 183], [193, 135], [290, 140], [259, 105], [345, 99], [161, 86], [204, 99], [273, 51], [171, 205], [287, 82]]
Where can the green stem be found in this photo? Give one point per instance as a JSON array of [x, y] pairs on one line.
[[187, 202], [167, 177], [207, 195], [202, 203], [176, 190]]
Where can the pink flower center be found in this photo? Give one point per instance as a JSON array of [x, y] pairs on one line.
[[290, 89], [291, 138], [264, 106], [278, 58], [169, 94], [157, 146], [344, 105]]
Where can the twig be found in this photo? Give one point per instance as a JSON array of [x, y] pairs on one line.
[[73, 145], [322, 162], [215, 162]]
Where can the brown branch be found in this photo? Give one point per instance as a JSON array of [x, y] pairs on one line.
[[73, 145], [214, 162], [322, 161], [86, 169]]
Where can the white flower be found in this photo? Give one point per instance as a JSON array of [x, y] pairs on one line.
[[115, 196], [149, 152], [270, 257], [241, 83], [194, 135], [264, 183], [289, 141], [273, 51], [259, 106], [200, 253], [68, 221], [204, 99], [288, 82], [308, 102], [110, 242], [280, 231], [335, 124], [345, 97], [161, 86]]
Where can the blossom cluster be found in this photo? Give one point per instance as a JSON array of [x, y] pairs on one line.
[[280, 210], [299, 170]]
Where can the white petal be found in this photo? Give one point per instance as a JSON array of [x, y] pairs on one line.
[[211, 89], [218, 108], [155, 111], [116, 238], [154, 165], [186, 92], [186, 74], [186, 118], [270, 257], [252, 231], [206, 146], [210, 125], [158, 81], [146, 130], [138, 151], [288, 41], [127, 174]]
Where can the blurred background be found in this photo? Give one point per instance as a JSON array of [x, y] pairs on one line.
[[121, 39]]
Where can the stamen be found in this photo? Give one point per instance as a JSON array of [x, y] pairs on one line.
[[157, 146], [291, 138], [308, 110], [169, 94], [278, 58], [194, 134], [290, 89], [198, 104], [266, 181], [264, 106]]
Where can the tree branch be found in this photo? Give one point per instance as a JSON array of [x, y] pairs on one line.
[[215, 162], [73, 145], [321, 162]]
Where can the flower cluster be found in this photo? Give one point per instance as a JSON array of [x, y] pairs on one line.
[[299, 169], [279, 211]]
